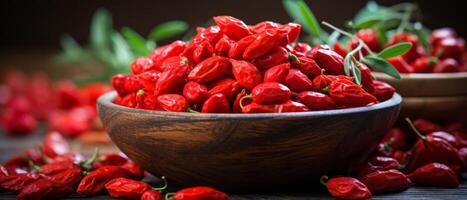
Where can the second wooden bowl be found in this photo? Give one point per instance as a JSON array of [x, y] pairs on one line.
[[428, 85], [439, 97], [247, 152]]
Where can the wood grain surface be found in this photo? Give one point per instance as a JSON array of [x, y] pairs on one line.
[[239, 152]]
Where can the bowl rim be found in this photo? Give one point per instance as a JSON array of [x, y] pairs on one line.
[[106, 100], [421, 76]]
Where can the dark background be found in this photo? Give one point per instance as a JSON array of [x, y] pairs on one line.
[[39, 23]]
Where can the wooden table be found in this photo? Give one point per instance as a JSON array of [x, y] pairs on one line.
[[9, 146]]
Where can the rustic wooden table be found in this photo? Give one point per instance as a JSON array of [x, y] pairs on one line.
[[10, 146]]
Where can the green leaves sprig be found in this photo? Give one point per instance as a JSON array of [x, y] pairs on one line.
[[373, 60], [386, 21], [395, 50], [301, 13], [115, 50]]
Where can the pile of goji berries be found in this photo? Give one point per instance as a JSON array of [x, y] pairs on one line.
[[426, 154], [232, 67], [55, 171], [27, 100], [446, 54]]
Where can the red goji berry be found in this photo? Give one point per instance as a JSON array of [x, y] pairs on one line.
[[172, 102], [236, 108], [232, 27], [216, 103], [195, 92], [264, 42], [292, 106], [203, 51], [94, 182], [307, 66], [338, 48], [171, 79], [382, 91], [328, 59], [347, 188], [151, 195], [316, 101], [348, 94], [238, 48], [321, 83], [126, 84], [400, 64], [126, 188], [68, 177], [199, 192], [277, 73], [141, 65], [45, 189], [210, 69], [167, 51], [434, 174], [247, 74], [447, 65], [54, 144], [106, 159], [430, 149], [426, 126], [16, 182], [395, 139], [228, 87], [276, 56], [270, 93], [424, 64], [297, 81], [293, 31], [223, 46], [134, 169], [386, 181], [262, 26], [440, 34]]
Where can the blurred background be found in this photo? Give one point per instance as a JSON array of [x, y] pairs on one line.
[[38, 25]]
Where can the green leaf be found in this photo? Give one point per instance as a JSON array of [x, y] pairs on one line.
[[150, 45], [423, 34], [347, 64], [357, 75], [309, 19], [333, 38], [373, 14], [121, 51], [136, 41], [366, 22], [381, 65], [167, 30], [70, 47], [395, 50], [299, 11], [101, 29], [381, 33]]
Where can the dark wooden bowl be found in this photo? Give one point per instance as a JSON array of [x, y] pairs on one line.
[[246, 152]]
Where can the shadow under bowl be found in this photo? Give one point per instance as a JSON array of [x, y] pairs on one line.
[[247, 152]]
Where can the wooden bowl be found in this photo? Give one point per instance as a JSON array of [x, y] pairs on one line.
[[246, 152], [439, 97], [428, 85]]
